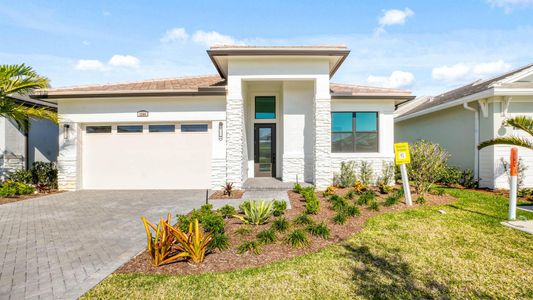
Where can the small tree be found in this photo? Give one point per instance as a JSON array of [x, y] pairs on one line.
[[428, 162], [347, 177], [366, 173]]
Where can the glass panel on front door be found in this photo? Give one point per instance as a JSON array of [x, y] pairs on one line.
[[264, 150]]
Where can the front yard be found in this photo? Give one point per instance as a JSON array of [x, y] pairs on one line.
[[419, 253]]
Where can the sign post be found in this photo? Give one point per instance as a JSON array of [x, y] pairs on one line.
[[514, 183], [403, 157]]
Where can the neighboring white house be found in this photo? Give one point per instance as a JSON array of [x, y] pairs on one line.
[[462, 118], [19, 150], [268, 112]]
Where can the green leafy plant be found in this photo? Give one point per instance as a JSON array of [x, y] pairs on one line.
[[340, 218], [278, 207], [346, 176], [253, 247], [384, 188], [359, 187], [243, 230], [387, 172], [22, 176], [468, 180], [266, 236], [366, 172], [330, 190], [437, 192], [12, 189], [420, 200], [391, 200], [44, 175], [303, 219], [350, 195], [352, 210], [220, 241], [211, 222], [338, 202], [297, 188], [373, 205], [312, 206], [366, 198], [227, 211], [255, 212], [321, 229], [297, 238], [428, 163], [280, 224], [451, 176], [159, 244]]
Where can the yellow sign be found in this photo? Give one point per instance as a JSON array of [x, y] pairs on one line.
[[401, 151]]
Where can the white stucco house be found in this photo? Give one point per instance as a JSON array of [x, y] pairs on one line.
[[270, 111], [19, 149], [462, 118]]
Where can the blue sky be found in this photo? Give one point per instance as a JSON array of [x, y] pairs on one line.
[[425, 46]]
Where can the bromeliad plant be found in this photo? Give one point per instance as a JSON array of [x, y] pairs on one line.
[[228, 188], [194, 244], [159, 245], [255, 212]]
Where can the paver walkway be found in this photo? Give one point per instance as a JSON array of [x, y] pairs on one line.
[[60, 246]]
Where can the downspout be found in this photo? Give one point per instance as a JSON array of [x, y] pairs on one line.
[[476, 139]]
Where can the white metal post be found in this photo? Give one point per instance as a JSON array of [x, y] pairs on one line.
[[405, 182], [512, 198]]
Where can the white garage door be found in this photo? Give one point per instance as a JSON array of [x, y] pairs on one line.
[[147, 156]]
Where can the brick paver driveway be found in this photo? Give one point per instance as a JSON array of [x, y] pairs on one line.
[[59, 246]]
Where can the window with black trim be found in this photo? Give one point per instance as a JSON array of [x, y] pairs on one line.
[[354, 132], [98, 129], [129, 128], [161, 128], [265, 107], [193, 127]]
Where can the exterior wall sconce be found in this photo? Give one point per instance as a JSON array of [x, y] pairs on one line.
[[65, 131], [220, 131]]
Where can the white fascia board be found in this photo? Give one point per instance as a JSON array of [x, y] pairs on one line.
[[513, 92], [518, 76], [469, 98]]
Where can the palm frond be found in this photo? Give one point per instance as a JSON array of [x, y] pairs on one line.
[[521, 122], [21, 114], [512, 140], [20, 79]]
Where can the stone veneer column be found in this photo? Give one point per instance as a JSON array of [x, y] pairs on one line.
[[234, 141], [322, 149], [68, 160]]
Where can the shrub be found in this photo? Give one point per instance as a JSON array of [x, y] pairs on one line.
[[350, 194], [338, 203], [297, 238], [220, 241], [297, 188], [391, 200], [212, 223], [330, 190], [428, 163], [22, 176], [227, 211], [253, 247], [468, 180], [346, 176], [359, 187], [266, 236], [366, 198], [384, 188], [256, 212], [312, 206], [340, 218], [243, 230], [420, 200], [11, 189], [438, 192], [451, 176], [194, 244], [159, 244], [280, 224], [374, 205], [279, 207], [352, 210], [228, 188], [366, 173], [387, 172], [44, 175], [320, 229], [303, 219], [307, 191]]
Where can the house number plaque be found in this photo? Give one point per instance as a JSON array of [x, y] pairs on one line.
[[142, 114]]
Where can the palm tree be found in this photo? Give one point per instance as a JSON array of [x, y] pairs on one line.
[[521, 122], [22, 80]]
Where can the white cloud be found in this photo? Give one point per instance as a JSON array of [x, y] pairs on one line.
[[90, 65], [395, 17], [127, 61], [463, 71], [397, 79], [211, 38], [508, 5], [175, 34]]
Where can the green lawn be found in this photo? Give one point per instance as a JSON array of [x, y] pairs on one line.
[[420, 253]]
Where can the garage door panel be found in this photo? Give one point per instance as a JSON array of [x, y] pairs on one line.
[[147, 160]]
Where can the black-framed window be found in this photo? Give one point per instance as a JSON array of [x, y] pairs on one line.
[[98, 129], [194, 127], [354, 132], [162, 128], [129, 128], [265, 107]]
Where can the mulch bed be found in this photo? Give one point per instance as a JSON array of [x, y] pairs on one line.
[[235, 194], [26, 197], [222, 261]]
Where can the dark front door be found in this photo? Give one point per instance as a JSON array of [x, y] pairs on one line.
[[265, 150]]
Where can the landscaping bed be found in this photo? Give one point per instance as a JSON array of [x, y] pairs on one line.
[[5, 200], [230, 259], [235, 194]]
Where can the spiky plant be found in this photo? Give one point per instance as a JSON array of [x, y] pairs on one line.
[[159, 244], [255, 212], [194, 244], [521, 122]]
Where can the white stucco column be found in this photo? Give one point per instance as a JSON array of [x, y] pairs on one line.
[[234, 133], [218, 158], [322, 124], [69, 158]]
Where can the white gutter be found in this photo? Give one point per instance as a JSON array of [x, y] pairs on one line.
[[476, 139]]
